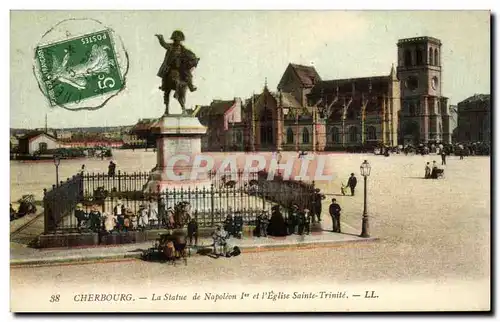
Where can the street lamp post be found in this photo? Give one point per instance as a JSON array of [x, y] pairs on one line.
[[57, 161], [365, 169]]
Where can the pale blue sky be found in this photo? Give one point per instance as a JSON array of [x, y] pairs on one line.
[[239, 49]]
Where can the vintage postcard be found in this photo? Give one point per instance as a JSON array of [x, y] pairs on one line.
[[250, 161]]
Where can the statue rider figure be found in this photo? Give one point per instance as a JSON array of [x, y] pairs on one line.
[[175, 70]]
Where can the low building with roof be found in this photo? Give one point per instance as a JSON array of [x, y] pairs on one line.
[[474, 119], [37, 142]]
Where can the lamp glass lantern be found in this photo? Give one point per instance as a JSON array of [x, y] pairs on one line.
[[365, 168], [57, 160]]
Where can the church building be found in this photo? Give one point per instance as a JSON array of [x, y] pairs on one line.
[[405, 106]]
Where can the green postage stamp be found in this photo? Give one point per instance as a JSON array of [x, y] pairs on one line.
[[74, 70]]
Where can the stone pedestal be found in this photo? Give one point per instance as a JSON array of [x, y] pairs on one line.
[[178, 142]]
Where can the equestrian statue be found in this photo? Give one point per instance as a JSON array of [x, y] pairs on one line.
[[175, 71]]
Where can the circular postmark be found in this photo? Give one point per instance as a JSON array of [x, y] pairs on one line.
[[80, 64]]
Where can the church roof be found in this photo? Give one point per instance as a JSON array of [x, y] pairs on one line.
[[476, 98], [34, 134], [361, 84], [216, 108], [287, 99], [307, 75]]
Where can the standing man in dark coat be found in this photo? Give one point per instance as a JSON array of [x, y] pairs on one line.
[[352, 182], [292, 219], [443, 157], [334, 211], [111, 169]]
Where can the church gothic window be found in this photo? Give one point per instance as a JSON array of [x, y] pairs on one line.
[[431, 56], [353, 134], [372, 133], [436, 57], [305, 135], [289, 136]]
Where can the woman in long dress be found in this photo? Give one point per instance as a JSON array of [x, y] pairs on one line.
[[143, 221], [153, 212]]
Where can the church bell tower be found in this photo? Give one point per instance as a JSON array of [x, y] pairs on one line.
[[424, 114]]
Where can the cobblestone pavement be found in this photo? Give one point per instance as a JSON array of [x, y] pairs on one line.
[[433, 231]]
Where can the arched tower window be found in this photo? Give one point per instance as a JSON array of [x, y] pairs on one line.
[[289, 136], [431, 56], [305, 135], [420, 60], [436, 57], [407, 57]]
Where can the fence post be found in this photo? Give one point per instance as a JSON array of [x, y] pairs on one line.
[[45, 212], [263, 196], [212, 203], [119, 181]]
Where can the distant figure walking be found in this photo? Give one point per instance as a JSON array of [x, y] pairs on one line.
[[111, 169], [443, 158], [82, 170], [334, 211], [352, 182]]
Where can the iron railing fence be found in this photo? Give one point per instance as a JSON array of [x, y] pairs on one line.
[[248, 194]]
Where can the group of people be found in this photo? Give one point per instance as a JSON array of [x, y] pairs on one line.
[[234, 225], [296, 221], [151, 214]]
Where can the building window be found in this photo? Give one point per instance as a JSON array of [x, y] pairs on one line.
[[353, 134], [239, 137], [431, 56], [419, 57], [372, 133], [289, 136], [305, 135], [412, 110], [42, 147], [436, 57], [407, 57], [335, 135]]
